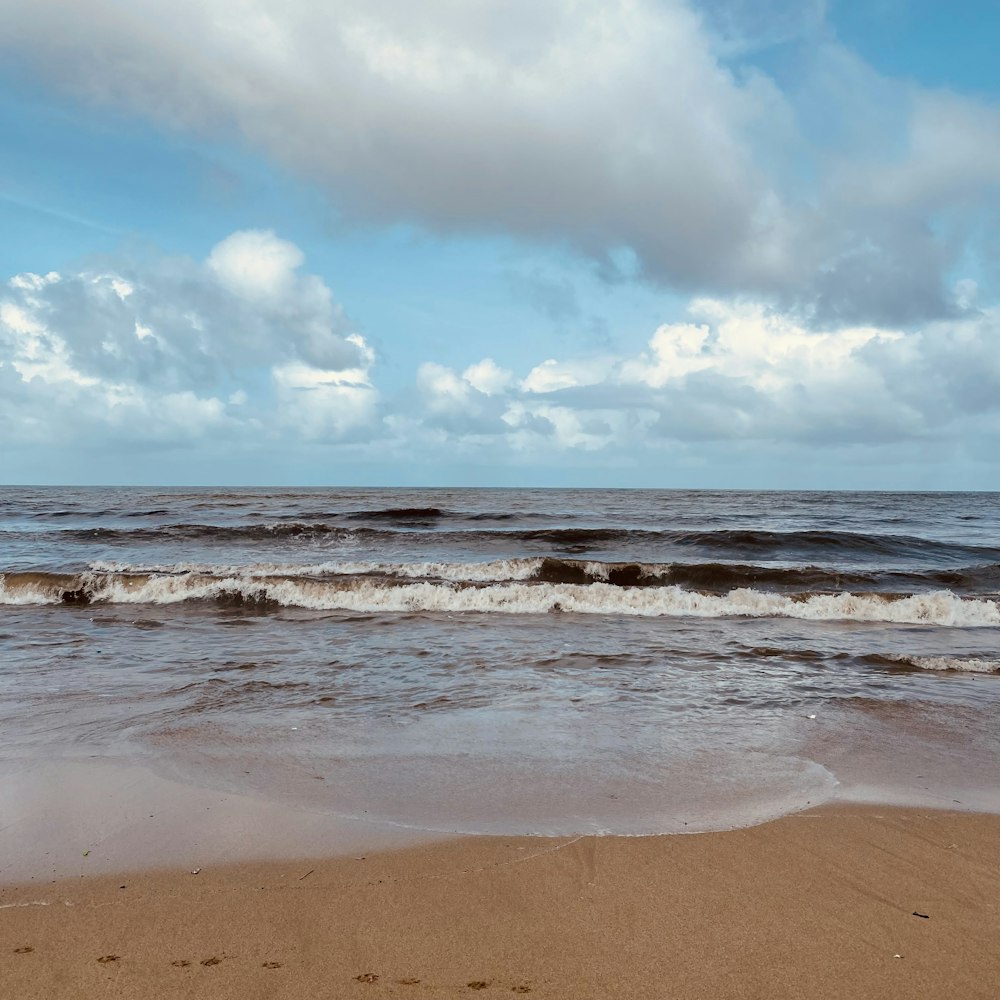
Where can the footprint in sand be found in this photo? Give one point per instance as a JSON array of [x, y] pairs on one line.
[[211, 961], [521, 988], [366, 977], [478, 984], [105, 959], [26, 950], [180, 963], [407, 982], [270, 965]]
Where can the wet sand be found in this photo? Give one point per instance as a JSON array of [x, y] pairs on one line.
[[842, 901]]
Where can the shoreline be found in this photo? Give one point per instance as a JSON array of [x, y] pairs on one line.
[[71, 817], [815, 904]]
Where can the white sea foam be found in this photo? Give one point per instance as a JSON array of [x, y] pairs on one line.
[[493, 571], [27, 594], [966, 664], [360, 594], [475, 572]]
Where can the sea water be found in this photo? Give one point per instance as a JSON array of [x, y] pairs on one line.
[[510, 661]]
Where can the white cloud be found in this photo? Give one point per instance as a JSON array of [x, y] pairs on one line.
[[441, 388], [187, 358], [551, 375], [743, 371], [487, 376], [149, 355], [599, 124], [548, 427], [676, 350], [316, 404], [606, 123], [255, 263], [322, 403]]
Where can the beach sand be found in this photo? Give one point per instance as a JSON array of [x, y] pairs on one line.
[[842, 901]]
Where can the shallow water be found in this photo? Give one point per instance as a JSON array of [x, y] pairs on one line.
[[511, 661]]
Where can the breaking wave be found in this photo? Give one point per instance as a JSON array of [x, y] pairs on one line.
[[388, 594], [709, 576], [948, 664]]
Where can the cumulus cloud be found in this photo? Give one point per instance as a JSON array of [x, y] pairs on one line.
[[321, 405], [255, 264], [599, 124], [179, 350], [743, 371], [552, 375], [488, 377]]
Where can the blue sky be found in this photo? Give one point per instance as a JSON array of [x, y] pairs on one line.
[[601, 242]]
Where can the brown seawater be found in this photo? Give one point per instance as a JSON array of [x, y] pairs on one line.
[[510, 661]]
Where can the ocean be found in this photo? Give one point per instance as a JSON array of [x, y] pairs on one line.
[[507, 660]]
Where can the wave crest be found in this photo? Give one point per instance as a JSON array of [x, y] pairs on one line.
[[713, 577], [368, 594], [944, 664]]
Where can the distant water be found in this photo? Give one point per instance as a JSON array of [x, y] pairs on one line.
[[511, 660]]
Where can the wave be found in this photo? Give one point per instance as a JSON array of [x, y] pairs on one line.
[[497, 570], [378, 595], [716, 576], [711, 576], [419, 515], [46, 515], [378, 514], [947, 664], [565, 537], [895, 662], [412, 524], [399, 514], [220, 532], [829, 543]]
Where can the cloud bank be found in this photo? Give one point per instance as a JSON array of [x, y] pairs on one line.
[[247, 348], [594, 124], [739, 371]]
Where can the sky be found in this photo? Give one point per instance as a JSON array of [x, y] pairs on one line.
[[609, 243]]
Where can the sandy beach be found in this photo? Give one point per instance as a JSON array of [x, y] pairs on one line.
[[574, 744], [841, 901]]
